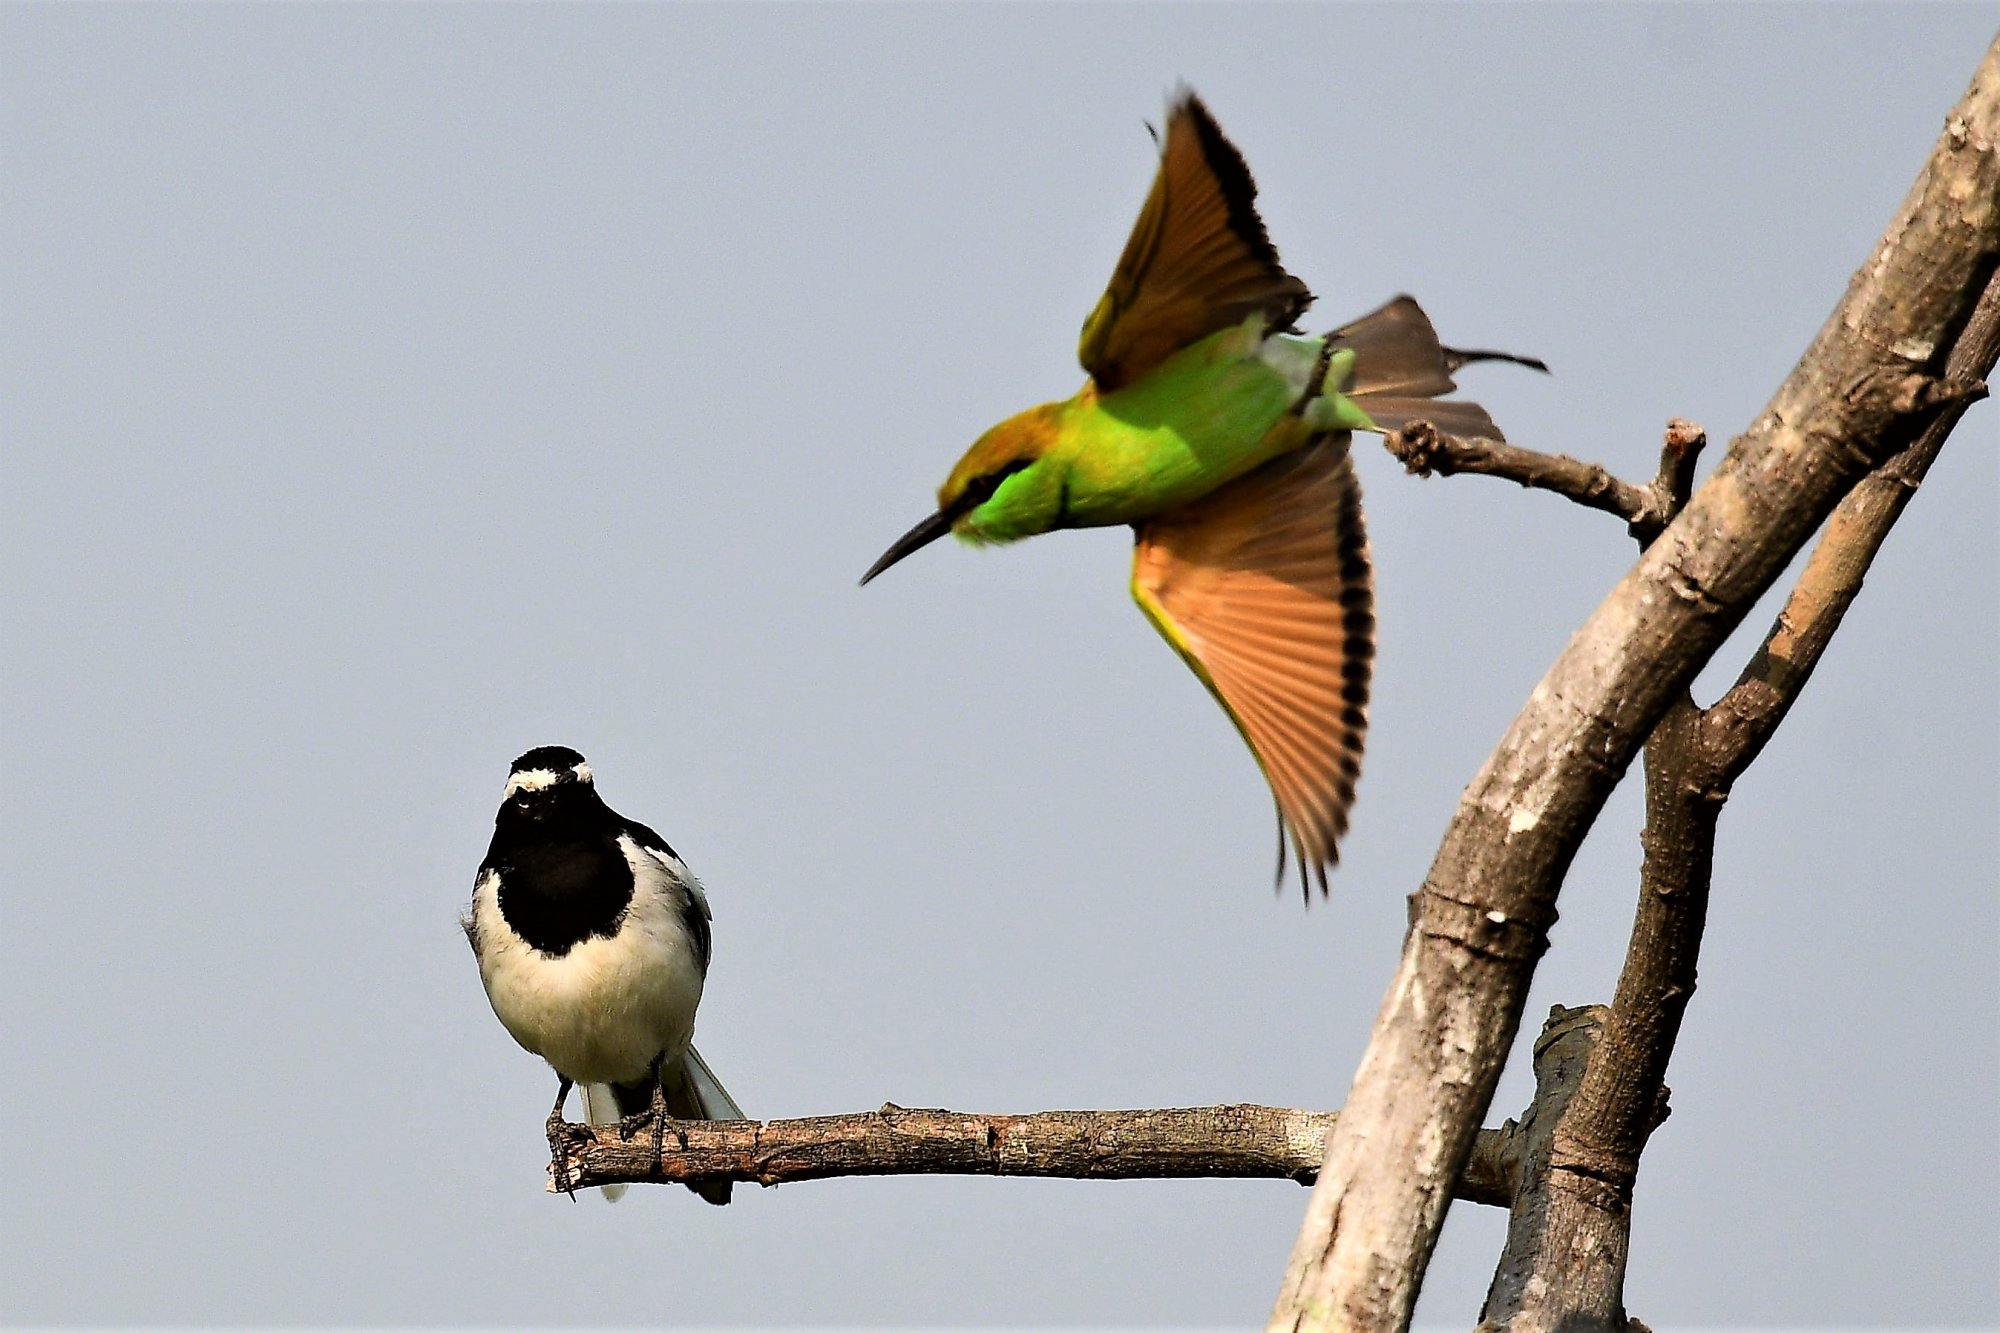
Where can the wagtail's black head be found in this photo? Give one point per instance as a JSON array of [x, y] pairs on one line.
[[549, 789]]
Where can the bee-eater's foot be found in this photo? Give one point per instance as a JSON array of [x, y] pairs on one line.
[[1316, 385]]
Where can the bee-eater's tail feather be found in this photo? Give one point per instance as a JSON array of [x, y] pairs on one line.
[[1396, 351], [600, 1107], [1401, 370], [1453, 416], [1457, 358]]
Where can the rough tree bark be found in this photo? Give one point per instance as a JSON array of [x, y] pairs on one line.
[[1569, 1041], [1549, 1275], [1869, 384], [1564, 1263], [1570, 1271]]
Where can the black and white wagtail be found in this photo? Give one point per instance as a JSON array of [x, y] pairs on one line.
[[592, 938]]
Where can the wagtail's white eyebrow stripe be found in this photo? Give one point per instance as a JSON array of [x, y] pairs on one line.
[[541, 779]]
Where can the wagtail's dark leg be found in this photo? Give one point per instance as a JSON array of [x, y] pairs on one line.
[[558, 1131]]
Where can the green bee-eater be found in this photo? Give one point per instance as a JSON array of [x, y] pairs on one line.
[[1222, 438]]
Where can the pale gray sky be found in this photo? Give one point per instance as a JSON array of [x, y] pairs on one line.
[[388, 389]]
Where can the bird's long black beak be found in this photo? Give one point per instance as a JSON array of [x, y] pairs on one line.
[[922, 535]]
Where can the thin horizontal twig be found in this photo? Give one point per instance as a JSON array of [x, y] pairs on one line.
[[1424, 450]]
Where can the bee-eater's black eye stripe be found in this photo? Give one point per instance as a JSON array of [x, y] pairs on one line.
[[980, 489]]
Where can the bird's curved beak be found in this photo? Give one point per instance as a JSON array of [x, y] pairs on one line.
[[922, 535]]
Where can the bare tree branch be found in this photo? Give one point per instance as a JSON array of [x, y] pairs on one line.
[[1576, 1276], [1868, 385], [1568, 1237], [1572, 1273], [1740, 722], [1423, 449], [1562, 1053], [1180, 1142]]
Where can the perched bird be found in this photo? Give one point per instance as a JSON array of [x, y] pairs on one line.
[[1223, 440], [593, 939]]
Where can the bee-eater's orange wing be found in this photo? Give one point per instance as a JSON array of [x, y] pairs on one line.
[[1264, 588], [1198, 260]]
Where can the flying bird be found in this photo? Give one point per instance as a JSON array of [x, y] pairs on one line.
[[1221, 435], [593, 942]]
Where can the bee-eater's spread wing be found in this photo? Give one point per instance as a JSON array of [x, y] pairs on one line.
[[1400, 368], [1198, 260], [1263, 586]]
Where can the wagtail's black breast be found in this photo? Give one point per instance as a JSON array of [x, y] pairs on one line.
[[557, 895], [563, 877]]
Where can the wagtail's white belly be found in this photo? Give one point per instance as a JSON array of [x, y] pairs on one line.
[[602, 1011]]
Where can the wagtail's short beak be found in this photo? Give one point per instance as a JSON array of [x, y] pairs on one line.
[[922, 535]]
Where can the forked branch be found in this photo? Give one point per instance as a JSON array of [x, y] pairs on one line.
[[1735, 729], [1568, 1267], [1871, 383], [1568, 1235]]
